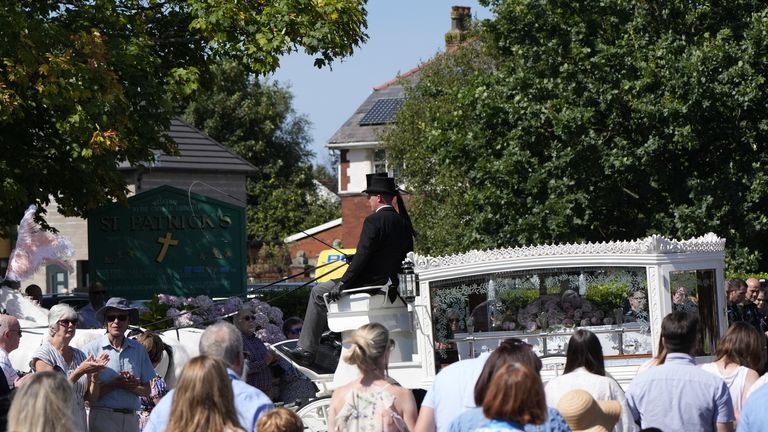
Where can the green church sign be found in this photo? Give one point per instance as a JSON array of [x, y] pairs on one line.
[[167, 240]]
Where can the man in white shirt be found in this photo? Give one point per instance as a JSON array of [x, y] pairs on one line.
[[452, 393], [10, 334]]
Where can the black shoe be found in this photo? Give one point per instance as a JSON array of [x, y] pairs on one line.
[[301, 356]]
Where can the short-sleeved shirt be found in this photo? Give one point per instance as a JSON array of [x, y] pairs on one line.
[[472, 419], [10, 372], [678, 396], [453, 390], [250, 404], [498, 425], [47, 353], [133, 358], [753, 418]]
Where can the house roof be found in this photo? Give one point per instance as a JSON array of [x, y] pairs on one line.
[[352, 133], [198, 152]]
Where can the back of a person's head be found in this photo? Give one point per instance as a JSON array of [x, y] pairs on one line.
[[584, 350], [34, 291], [153, 344], [279, 420], [204, 399], [511, 350], [222, 340], [42, 404], [516, 394], [368, 346], [742, 344], [679, 332]]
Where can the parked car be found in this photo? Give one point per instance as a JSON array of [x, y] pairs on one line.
[[76, 300]]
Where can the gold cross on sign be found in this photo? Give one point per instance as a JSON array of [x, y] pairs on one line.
[[166, 242]]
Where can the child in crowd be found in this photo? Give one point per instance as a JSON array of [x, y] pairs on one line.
[[280, 420]]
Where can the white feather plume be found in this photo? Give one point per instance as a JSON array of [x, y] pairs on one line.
[[35, 247]]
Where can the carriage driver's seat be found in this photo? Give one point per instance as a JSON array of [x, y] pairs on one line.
[[360, 306]]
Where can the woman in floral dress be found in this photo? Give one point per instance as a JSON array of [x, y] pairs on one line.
[[370, 402]]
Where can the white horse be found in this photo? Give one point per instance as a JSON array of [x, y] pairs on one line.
[[34, 327]]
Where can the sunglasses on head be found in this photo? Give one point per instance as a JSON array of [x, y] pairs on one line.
[[111, 318], [68, 322], [514, 342]]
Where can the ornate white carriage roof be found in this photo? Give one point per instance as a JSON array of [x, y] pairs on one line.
[[654, 244]]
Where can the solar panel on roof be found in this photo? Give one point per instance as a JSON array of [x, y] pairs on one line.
[[382, 112]]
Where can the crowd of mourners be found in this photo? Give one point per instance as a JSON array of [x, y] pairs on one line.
[[111, 385]]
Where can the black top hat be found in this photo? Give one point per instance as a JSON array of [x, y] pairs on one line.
[[379, 183]]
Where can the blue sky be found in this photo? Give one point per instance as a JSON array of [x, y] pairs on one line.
[[402, 34]]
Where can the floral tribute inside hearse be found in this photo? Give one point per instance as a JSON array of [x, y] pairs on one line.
[[541, 294]]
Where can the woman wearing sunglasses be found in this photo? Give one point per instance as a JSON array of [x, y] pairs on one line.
[[55, 354]]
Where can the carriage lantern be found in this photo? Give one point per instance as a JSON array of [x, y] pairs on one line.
[[409, 282]]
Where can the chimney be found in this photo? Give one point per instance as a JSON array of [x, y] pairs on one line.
[[460, 19]]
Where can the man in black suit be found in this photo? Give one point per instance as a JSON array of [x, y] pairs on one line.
[[384, 241]]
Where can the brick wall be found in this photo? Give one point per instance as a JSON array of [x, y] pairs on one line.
[[312, 247], [354, 209]]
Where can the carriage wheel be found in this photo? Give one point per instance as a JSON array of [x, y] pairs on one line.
[[314, 414]]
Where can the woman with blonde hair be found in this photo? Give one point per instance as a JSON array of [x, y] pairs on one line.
[[740, 354], [370, 402], [204, 400], [55, 354], [43, 404]]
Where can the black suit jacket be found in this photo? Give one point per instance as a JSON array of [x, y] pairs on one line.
[[384, 241]]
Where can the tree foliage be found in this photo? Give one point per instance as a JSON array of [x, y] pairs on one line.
[[594, 120], [88, 85], [255, 118]]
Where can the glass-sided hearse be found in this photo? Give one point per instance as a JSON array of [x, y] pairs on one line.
[[457, 306], [621, 291]]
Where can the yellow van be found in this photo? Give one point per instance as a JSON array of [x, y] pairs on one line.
[[335, 270]]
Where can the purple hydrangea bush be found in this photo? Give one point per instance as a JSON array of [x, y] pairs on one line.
[[167, 310]]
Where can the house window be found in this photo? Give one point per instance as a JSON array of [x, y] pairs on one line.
[[57, 279], [380, 164], [379, 161]]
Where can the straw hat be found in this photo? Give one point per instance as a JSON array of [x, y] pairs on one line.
[[584, 414]]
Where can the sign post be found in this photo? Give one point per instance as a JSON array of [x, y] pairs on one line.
[[167, 240]]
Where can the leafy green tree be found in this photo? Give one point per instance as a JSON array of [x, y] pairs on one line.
[[88, 85], [594, 120], [256, 120]]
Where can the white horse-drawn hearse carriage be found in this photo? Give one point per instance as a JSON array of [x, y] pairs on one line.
[[456, 306]]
